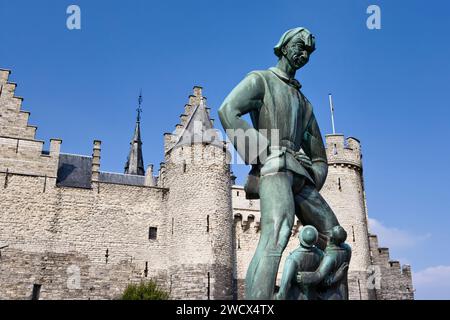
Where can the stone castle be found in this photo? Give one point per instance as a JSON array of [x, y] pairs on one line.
[[71, 231]]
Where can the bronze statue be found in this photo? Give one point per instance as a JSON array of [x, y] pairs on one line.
[[289, 166], [306, 258], [332, 272]]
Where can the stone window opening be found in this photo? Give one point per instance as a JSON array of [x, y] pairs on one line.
[[209, 287], [207, 223], [146, 269], [239, 242], [184, 166], [173, 219], [359, 289], [45, 184], [353, 234], [6, 179], [152, 233], [339, 184], [237, 193], [335, 152], [36, 291]]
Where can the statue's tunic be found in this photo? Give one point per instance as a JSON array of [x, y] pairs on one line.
[[283, 119], [287, 110]]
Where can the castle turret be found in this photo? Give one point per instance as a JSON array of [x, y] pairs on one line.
[[344, 191], [197, 175]]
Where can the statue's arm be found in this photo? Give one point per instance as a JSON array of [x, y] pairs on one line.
[[286, 279], [247, 96], [338, 275], [314, 148], [343, 269], [316, 277]]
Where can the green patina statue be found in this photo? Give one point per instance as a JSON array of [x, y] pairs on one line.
[[311, 274], [289, 164], [331, 275], [305, 258]]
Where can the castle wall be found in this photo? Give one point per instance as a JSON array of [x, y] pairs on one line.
[[247, 218], [63, 276], [391, 280], [108, 220]]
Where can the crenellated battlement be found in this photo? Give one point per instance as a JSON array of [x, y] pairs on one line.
[[247, 221], [342, 151]]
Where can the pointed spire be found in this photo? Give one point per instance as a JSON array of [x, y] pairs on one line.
[[135, 162]]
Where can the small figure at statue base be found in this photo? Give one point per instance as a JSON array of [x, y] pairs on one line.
[[331, 277], [306, 257]]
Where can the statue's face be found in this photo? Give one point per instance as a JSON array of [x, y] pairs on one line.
[[296, 52]]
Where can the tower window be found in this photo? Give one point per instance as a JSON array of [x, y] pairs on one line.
[[339, 184], [36, 292], [353, 233], [146, 269], [152, 233], [209, 287], [207, 223], [359, 289]]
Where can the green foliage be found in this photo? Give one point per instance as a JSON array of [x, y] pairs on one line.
[[144, 291]]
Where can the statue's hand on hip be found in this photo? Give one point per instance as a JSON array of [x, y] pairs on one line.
[[304, 160]]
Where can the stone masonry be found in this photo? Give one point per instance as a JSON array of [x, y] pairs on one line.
[[71, 231]]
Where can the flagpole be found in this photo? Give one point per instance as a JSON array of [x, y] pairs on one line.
[[332, 112]]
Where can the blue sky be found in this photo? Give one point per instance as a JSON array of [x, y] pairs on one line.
[[390, 90]]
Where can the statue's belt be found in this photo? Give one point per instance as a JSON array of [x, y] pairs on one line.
[[282, 158]]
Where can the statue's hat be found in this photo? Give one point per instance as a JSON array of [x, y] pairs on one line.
[[306, 35]]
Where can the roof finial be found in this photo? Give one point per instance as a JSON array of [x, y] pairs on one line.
[[139, 109]]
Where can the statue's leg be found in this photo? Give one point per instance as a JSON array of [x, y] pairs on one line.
[[312, 209], [277, 219]]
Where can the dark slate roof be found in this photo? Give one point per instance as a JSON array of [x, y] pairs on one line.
[[74, 171], [119, 178]]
